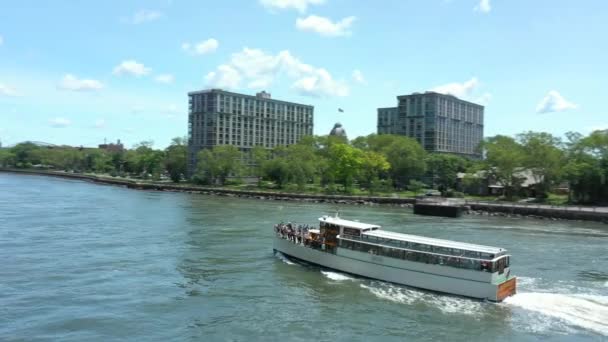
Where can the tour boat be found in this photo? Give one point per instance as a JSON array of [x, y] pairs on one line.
[[365, 250]]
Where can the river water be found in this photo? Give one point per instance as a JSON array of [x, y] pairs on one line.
[[82, 261]]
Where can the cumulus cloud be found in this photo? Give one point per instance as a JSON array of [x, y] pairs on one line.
[[326, 27], [483, 6], [100, 123], [143, 16], [554, 102], [299, 5], [59, 122], [165, 78], [358, 76], [225, 76], [462, 90], [71, 82], [259, 69], [6, 90], [131, 67], [201, 48]]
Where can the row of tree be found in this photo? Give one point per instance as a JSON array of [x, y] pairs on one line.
[[577, 162], [140, 161], [374, 162]]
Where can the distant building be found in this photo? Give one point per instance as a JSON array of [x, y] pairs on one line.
[[338, 130], [118, 147], [440, 123], [218, 117]]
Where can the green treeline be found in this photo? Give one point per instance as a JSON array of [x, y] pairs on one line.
[[370, 164]]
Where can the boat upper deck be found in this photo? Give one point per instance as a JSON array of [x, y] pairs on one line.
[[434, 242], [347, 223]]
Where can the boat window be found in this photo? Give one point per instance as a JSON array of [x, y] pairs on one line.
[[352, 232]]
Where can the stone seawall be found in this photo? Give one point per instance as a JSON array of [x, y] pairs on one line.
[[269, 195], [598, 214]]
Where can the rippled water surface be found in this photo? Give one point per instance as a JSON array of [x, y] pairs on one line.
[[90, 262]]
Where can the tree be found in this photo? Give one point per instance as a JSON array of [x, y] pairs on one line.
[[587, 167], [259, 155], [504, 160], [7, 158], [405, 155], [372, 165], [345, 163], [176, 157], [543, 158], [219, 163], [444, 169], [291, 164], [147, 161]]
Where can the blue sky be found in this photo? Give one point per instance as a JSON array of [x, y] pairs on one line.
[[78, 72]]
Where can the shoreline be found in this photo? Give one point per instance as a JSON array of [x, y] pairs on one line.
[[512, 210]]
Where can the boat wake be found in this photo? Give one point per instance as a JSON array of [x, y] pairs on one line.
[[445, 303], [283, 258], [335, 276], [586, 311]]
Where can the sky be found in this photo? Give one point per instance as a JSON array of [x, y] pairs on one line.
[[79, 72]]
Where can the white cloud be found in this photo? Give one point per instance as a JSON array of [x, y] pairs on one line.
[[483, 6], [201, 48], [224, 77], [324, 26], [100, 123], [462, 90], [165, 78], [131, 67], [554, 102], [71, 82], [6, 90], [358, 76], [259, 70], [320, 83], [299, 5], [1, 40], [143, 16], [59, 122]]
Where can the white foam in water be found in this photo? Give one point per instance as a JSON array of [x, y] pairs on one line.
[[284, 258], [336, 276], [445, 303], [585, 311]]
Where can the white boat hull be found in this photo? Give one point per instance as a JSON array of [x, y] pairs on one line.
[[462, 282]]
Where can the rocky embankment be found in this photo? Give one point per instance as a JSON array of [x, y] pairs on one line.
[[479, 208]]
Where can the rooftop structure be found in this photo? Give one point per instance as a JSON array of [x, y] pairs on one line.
[[338, 130]]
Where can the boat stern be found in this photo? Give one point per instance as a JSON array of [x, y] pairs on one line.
[[506, 289]]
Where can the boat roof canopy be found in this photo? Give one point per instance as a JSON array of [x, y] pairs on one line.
[[347, 223], [434, 242]]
